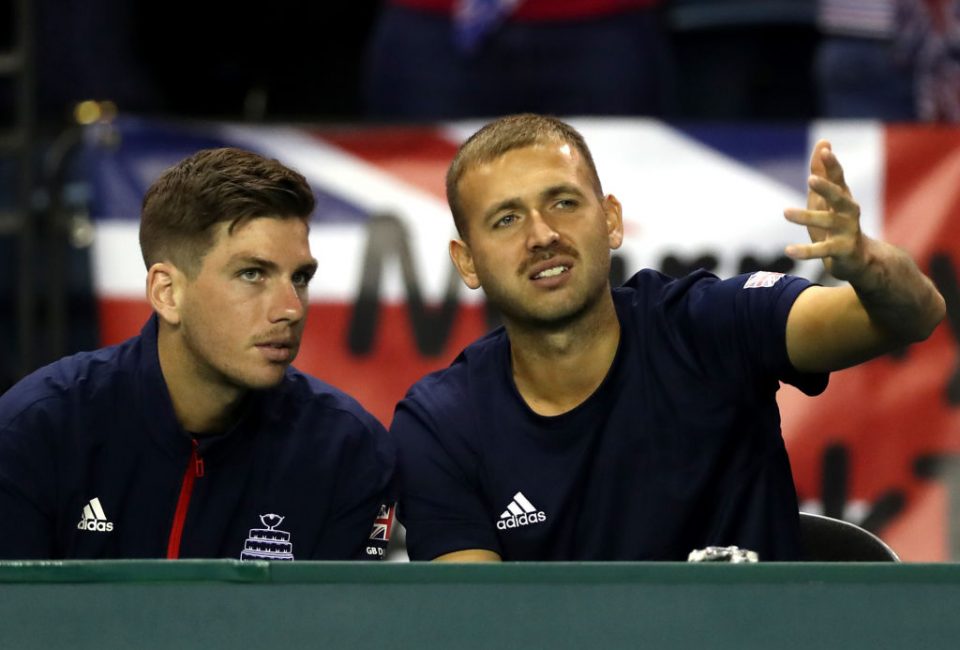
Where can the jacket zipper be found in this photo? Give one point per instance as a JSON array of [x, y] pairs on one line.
[[194, 471]]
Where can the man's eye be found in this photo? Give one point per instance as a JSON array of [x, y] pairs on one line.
[[566, 204], [302, 279], [505, 220], [250, 275]]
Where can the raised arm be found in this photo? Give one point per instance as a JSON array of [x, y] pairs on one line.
[[888, 302]]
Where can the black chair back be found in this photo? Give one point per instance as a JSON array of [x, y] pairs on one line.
[[825, 539]]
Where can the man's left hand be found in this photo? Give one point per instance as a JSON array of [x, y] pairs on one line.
[[832, 218]]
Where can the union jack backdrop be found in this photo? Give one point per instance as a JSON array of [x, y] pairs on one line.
[[879, 447]]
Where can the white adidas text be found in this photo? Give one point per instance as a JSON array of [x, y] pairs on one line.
[[522, 520]]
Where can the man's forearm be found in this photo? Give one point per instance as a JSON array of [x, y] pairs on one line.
[[899, 299]]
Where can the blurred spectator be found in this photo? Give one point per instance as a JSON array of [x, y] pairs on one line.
[[448, 59], [288, 60], [744, 59], [929, 35], [857, 68], [203, 59], [89, 50], [893, 60]]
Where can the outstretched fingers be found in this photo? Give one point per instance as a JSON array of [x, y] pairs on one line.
[[811, 218], [832, 167], [836, 195], [817, 250], [817, 164]]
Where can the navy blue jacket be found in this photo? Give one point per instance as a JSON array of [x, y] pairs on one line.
[[679, 448], [93, 464]]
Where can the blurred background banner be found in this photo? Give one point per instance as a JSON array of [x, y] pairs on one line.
[[881, 447]]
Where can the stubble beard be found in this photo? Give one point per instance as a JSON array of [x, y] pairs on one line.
[[548, 318], [228, 373]]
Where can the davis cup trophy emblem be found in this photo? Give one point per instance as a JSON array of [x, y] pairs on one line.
[[268, 543]]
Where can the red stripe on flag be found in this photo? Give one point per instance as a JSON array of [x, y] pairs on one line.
[[891, 417], [417, 156], [378, 379]]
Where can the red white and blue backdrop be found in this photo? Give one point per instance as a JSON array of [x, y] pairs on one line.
[[881, 447]]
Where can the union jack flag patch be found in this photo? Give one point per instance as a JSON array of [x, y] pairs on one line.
[[383, 524], [762, 279]]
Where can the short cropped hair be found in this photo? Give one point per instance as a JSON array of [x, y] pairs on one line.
[[212, 186], [503, 135]]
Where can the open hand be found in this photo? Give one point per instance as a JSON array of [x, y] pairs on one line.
[[832, 218]]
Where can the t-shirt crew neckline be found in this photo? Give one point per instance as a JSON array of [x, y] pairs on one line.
[[563, 426]]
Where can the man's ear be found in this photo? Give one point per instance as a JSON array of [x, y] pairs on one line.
[[463, 259], [613, 212], [165, 291]]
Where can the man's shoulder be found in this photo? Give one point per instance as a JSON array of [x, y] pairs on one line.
[[653, 288], [484, 358], [649, 284], [80, 378], [322, 420], [314, 398]]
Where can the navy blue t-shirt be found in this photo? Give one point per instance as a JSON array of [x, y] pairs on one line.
[[93, 464], [679, 448]]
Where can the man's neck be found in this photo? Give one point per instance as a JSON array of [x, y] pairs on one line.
[[556, 371], [201, 404]]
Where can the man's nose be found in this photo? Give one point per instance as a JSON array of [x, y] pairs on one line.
[[287, 303], [540, 233]]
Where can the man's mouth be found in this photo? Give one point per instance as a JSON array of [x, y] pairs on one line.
[[276, 351], [279, 343], [551, 272]]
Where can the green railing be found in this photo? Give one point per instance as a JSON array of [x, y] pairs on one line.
[[227, 604]]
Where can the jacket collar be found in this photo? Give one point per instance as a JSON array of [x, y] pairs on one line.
[[159, 418]]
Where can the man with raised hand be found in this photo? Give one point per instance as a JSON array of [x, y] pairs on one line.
[[636, 423]]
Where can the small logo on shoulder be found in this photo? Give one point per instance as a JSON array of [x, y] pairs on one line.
[[520, 512], [762, 279]]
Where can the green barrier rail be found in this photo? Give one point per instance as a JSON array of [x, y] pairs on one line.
[[227, 604]]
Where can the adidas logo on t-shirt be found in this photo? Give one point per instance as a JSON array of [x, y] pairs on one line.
[[520, 512], [94, 519]]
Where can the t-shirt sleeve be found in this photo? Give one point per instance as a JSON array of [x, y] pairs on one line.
[[737, 327], [440, 503], [27, 485]]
